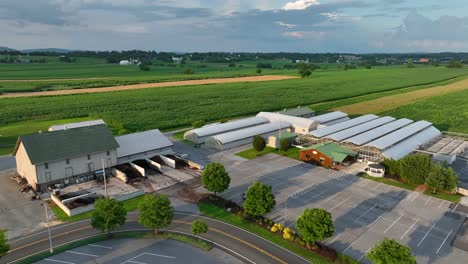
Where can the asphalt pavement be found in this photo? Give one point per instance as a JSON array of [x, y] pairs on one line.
[[7, 163]]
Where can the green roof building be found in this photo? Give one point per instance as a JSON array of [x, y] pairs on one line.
[[328, 154]]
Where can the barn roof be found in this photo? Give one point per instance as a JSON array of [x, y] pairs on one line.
[[140, 142], [333, 150]]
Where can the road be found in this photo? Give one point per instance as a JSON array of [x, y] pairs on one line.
[[247, 246]]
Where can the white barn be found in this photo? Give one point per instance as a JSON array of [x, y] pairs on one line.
[[299, 125]]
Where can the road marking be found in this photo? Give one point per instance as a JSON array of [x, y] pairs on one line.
[[161, 256], [79, 253], [329, 198], [443, 242], [367, 182], [398, 193], [99, 246], [364, 254], [417, 194], [415, 221], [58, 261], [454, 208], [389, 187], [377, 186], [388, 228], [378, 218], [338, 236], [441, 203], [429, 198], [365, 212], [427, 233], [348, 246], [331, 209], [136, 262]]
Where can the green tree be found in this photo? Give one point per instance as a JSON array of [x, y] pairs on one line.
[[435, 179], [259, 199], [144, 67], [415, 168], [285, 144], [389, 251], [108, 215], [199, 227], [259, 143], [451, 179], [455, 64], [392, 166], [215, 178], [155, 212], [4, 247], [304, 70], [188, 71], [410, 64], [315, 224], [198, 123], [258, 71]]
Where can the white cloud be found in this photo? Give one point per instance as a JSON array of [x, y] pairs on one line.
[[300, 4], [315, 35], [339, 17], [286, 25]]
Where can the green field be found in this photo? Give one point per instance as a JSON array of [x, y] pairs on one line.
[[447, 112], [174, 107]]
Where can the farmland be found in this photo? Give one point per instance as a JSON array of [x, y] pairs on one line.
[[174, 107], [448, 112]]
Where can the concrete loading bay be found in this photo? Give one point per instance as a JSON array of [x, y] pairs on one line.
[[364, 211]]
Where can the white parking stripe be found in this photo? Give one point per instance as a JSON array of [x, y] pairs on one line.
[[417, 194], [136, 262], [389, 187], [375, 221], [443, 242], [454, 208], [367, 182], [99, 246], [441, 203], [388, 228], [84, 254], [58, 261], [409, 197], [161, 256], [415, 221], [328, 199], [348, 246], [427, 233], [378, 185], [338, 236], [363, 255], [365, 212], [331, 209], [429, 198]]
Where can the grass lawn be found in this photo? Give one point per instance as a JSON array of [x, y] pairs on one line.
[[205, 245], [129, 205], [180, 135], [249, 154], [389, 181], [454, 198], [220, 214]]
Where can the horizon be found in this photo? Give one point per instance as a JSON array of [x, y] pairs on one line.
[[290, 26]]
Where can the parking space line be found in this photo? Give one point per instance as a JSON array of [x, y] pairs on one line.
[[99, 246], [409, 197], [363, 255], [378, 185], [136, 262], [388, 228], [365, 212], [454, 208], [427, 233], [443, 242], [441, 203], [338, 236], [389, 187], [417, 194], [84, 254], [366, 182], [331, 209], [415, 221], [157, 255], [58, 261], [328, 199], [428, 199], [349, 246], [398, 193], [378, 218]]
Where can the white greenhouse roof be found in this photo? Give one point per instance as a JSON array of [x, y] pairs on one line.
[[321, 132], [352, 131], [77, 124], [398, 135], [140, 142], [329, 117], [214, 129], [336, 121], [408, 145], [293, 120], [250, 132], [375, 133]]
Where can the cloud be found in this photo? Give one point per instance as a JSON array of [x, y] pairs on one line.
[[286, 25], [300, 4]]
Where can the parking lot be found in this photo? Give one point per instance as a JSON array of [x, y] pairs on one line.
[[364, 211], [139, 251]]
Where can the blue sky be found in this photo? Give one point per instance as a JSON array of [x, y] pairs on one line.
[[359, 26]]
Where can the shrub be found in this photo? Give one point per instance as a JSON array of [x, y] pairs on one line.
[[259, 143], [188, 71], [199, 227], [258, 71], [144, 67], [274, 229], [197, 124], [285, 144]]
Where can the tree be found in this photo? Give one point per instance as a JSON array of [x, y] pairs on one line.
[[199, 227], [4, 247], [188, 71], [258, 71], [215, 178], [415, 168], [285, 144], [450, 179], [108, 214], [259, 199], [315, 224], [455, 64], [259, 143], [392, 166], [155, 212], [389, 251], [144, 67], [410, 64], [435, 178], [303, 70]]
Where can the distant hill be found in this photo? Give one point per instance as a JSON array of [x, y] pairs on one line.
[[5, 49], [48, 50]]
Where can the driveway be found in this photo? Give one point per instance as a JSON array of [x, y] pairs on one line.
[[7, 163]]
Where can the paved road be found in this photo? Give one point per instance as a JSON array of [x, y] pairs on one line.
[[7, 163], [247, 246]]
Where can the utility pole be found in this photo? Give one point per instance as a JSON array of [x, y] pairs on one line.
[[105, 180], [51, 250]]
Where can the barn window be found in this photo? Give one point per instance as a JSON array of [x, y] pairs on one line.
[[46, 165], [68, 161], [322, 159], [307, 156]]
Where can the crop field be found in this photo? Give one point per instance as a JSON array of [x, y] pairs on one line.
[[447, 112], [174, 107]]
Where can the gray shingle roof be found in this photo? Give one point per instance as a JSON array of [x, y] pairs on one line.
[[63, 144]]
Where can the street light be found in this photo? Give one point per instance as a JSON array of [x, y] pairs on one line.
[[51, 250]]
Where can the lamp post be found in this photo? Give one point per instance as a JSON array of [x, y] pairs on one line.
[[51, 250]]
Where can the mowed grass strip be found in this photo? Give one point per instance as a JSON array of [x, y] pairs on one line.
[[394, 101]]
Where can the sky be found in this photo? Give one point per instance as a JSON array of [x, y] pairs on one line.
[[316, 26]]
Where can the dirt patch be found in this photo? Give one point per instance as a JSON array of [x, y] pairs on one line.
[[151, 85], [394, 101]]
